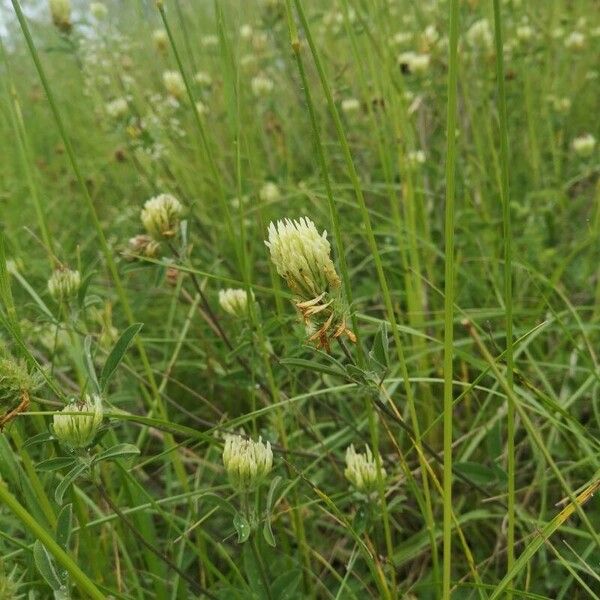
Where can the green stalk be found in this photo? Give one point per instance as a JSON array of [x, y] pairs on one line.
[[449, 295], [85, 584], [508, 294]]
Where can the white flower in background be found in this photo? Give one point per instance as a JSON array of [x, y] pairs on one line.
[[302, 257], [416, 63], [584, 145], [260, 39], [247, 462], [98, 10], [269, 192], [361, 469], [117, 108], [78, 430], [559, 105], [524, 32], [415, 157], [203, 78], [234, 301], [261, 85], [201, 107], [161, 215], [479, 35], [401, 38], [174, 84], [209, 40], [575, 41], [160, 39], [60, 10], [350, 105], [64, 284], [431, 35], [246, 31]]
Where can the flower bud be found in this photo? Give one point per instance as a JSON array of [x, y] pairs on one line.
[[261, 85], [269, 192], [584, 145], [160, 216], [61, 14], [160, 40], [141, 245], [174, 84], [361, 469], [234, 302], [247, 462], [78, 431], [63, 284]]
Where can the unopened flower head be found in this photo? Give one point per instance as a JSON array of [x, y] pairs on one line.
[[247, 462], [16, 381], [575, 41], [479, 35], [117, 108], [361, 469], [160, 39], [261, 85], [524, 32], [269, 192], [584, 145], [98, 10], [63, 284], [174, 84], [61, 14], [414, 62], [234, 301], [350, 105], [161, 215], [78, 431]]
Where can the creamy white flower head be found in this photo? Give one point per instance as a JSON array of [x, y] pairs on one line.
[[201, 107], [79, 430], [160, 39], [431, 35], [416, 63], [524, 32], [98, 10], [584, 145], [261, 85], [350, 105], [415, 157], [559, 105], [361, 469], [160, 216], [247, 462], [64, 284], [269, 192], [246, 31], [479, 35], [401, 38], [234, 301], [61, 14], [575, 41], [302, 257], [174, 84], [203, 78], [209, 40], [117, 108]]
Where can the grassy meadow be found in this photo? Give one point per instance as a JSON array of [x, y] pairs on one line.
[[204, 395]]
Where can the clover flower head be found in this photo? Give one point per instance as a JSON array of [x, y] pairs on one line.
[[60, 10], [64, 284], [361, 469], [234, 301], [174, 84], [247, 462], [584, 145], [77, 431], [161, 215]]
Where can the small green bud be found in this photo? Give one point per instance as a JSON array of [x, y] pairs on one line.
[[63, 284]]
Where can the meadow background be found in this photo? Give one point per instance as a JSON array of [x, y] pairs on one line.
[[469, 269]]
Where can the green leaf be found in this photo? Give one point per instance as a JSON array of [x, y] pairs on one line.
[[476, 472], [45, 566], [380, 349], [70, 477], [242, 527], [83, 288], [55, 464], [267, 530], [286, 586], [89, 363], [64, 526], [40, 438], [117, 451], [118, 352]]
